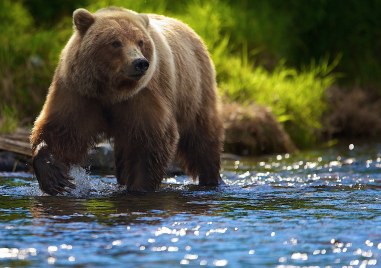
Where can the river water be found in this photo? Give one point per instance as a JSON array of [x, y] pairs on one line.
[[319, 208]]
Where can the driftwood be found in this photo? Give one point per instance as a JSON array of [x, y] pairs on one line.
[[17, 142]]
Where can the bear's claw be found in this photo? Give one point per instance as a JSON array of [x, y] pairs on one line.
[[52, 175]]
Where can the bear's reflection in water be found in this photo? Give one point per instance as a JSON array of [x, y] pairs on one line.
[[122, 208]]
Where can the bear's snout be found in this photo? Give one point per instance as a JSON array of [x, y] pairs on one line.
[[140, 65], [137, 68]]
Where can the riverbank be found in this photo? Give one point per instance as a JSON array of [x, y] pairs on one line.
[[250, 130]]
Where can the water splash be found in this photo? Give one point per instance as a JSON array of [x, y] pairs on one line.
[[91, 186], [81, 181]]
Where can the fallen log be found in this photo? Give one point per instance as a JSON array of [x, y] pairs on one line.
[[17, 142]]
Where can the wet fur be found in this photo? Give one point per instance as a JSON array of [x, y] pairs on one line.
[[172, 111]]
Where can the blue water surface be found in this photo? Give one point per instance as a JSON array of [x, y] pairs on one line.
[[315, 209]]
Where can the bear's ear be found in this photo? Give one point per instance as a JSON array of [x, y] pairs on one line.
[[145, 19], [82, 19]]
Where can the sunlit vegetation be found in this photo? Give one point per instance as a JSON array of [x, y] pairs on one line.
[[272, 53]]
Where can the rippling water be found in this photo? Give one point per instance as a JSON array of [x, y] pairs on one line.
[[314, 209]]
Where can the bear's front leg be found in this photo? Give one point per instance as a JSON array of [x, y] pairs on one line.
[[142, 158], [66, 127], [51, 173]]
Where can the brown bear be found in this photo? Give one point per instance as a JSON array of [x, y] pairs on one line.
[[146, 81]]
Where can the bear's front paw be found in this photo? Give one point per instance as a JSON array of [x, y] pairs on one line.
[[52, 175]]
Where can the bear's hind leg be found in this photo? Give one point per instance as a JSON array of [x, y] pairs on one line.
[[199, 152]]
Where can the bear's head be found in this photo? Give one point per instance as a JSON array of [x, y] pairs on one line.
[[112, 53]]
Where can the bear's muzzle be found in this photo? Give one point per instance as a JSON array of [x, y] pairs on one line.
[[139, 68]]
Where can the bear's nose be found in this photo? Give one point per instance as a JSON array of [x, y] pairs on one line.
[[141, 65]]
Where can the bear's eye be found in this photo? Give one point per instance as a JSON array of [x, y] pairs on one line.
[[116, 44], [140, 43]]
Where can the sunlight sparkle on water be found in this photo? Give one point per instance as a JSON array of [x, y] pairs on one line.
[[191, 257], [51, 260], [299, 256], [320, 208], [52, 248], [65, 246], [17, 253]]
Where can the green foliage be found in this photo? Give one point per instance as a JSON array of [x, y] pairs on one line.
[[265, 51], [147, 6], [27, 60], [26, 64], [295, 97], [9, 120], [45, 14], [299, 31]]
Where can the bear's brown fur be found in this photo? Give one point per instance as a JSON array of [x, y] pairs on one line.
[[103, 85]]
